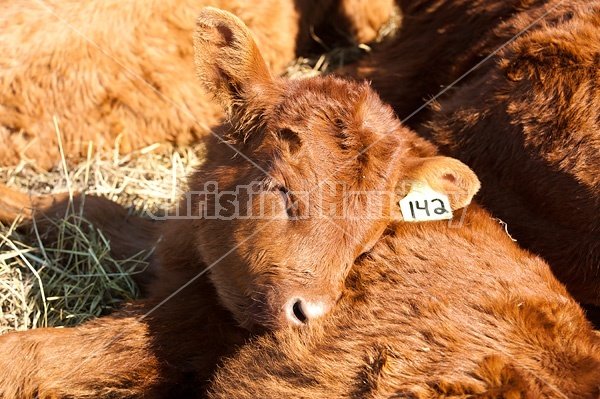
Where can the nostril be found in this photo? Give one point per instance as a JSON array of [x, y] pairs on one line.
[[298, 312]]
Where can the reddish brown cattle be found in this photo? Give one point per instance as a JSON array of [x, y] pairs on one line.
[[360, 20], [432, 312], [277, 216], [118, 73], [525, 120]]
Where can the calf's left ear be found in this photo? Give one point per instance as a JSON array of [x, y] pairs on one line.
[[443, 175]]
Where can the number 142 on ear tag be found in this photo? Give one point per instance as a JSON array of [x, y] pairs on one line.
[[422, 204]]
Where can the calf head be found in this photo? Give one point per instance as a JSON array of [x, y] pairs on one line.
[[303, 185]]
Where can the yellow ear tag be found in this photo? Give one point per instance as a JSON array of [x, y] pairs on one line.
[[422, 204]]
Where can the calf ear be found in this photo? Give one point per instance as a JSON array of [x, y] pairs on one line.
[[227, 60], [444, 175]]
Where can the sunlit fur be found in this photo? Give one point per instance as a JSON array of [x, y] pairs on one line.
[[119, 73], [426, 284], [432, 312], [526, 120]]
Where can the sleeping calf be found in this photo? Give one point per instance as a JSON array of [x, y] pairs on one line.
[[276, 216], [118, 73]]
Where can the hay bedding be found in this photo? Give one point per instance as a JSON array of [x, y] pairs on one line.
[[67, 284]]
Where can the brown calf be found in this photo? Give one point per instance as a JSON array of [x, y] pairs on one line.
[[118, 73], [432, 312], [277, 216], [526, 120]]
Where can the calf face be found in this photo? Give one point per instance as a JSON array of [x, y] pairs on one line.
[[304, 185]]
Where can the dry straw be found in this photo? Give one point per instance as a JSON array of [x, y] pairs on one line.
[[74, 278]]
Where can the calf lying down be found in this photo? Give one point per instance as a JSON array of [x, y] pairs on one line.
[[259, 259], [433, 311], [117, 73], [526, 120]]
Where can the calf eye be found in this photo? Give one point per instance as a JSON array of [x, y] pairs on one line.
[[291, 138], [291, 206]]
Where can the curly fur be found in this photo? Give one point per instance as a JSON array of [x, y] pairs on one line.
[[526, 120]]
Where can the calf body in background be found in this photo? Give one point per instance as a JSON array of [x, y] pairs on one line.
[[118, 73], [526, 120]]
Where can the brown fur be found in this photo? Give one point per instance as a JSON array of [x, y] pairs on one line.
[[267, 255], [169, 346], [292, 129], [168, 353], [358, 19], [301, 134], [432, 312], [131, 85], [526, 121]]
